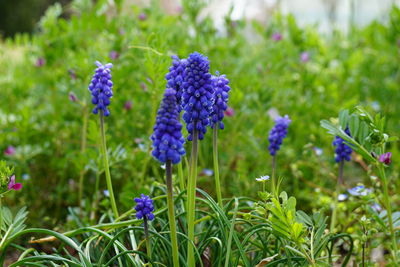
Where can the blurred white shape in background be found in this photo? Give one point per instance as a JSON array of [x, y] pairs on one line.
[[327, 14]]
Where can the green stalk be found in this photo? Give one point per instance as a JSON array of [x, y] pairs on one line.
[[181, 177], [335, 203], [83, 148], [146, 234], [1, 217], [106, 166], [191, 195], [171, 213], [386, 199], [273, 180], [216, 169]]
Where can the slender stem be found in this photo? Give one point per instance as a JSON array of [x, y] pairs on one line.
[[191, 195], [335, 195], [216, 168], [273, 180], [106, 167], [171, 213], [386, 199], [96, 198], [1, 217], [83, 148], [181, 177], [146, 234]]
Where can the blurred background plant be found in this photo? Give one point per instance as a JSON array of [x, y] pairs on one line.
[[50, 136]]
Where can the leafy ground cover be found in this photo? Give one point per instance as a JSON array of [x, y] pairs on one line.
[[303, 215]]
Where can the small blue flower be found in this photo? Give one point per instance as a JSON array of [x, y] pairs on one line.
[[359, 190], [101, 88], [278, 132], [175, 78], [342, 151], [207, 172], [198, 95], [167, 136], [144, 207], [106, 193], [221, 90]]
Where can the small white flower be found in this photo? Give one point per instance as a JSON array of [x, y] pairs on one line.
[[342, 197], [262, 178]]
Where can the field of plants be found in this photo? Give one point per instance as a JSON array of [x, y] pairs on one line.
[[131, 137]]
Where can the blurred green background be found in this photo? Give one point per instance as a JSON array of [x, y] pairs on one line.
[[307, 75]]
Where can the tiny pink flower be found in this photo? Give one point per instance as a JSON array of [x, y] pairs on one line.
[[304, 57], [10, 151], [72, 97], [386, 158], [72, 74], [40, 62], [114, 55], [143, 86], [276, 36], [142, 16], [12, 185], [128, 105], [229, 112]]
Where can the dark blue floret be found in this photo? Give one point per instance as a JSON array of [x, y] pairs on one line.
[[144, 207], [342, 151], [278, 132], [167, 136], [175, 78], [221, 90], [101, 88], [198, 95]]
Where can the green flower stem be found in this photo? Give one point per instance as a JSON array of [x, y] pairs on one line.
[[106, 167], [146, 234], [191, 195], [181, 177], [335, 195], [216, 169], [386, 199], [273, 180], [1, 216], [171, 213], [83, 148]]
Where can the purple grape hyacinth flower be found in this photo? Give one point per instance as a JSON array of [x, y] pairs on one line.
[[278, 132], [221, 90], [342, 151], [144, 207], [175, 78], [101, 88], [198, 95], [386, 158], [167, 137]]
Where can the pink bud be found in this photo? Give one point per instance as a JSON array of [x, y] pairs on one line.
[[229, 112], [40, 62], [128, 105], [10, 151]]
